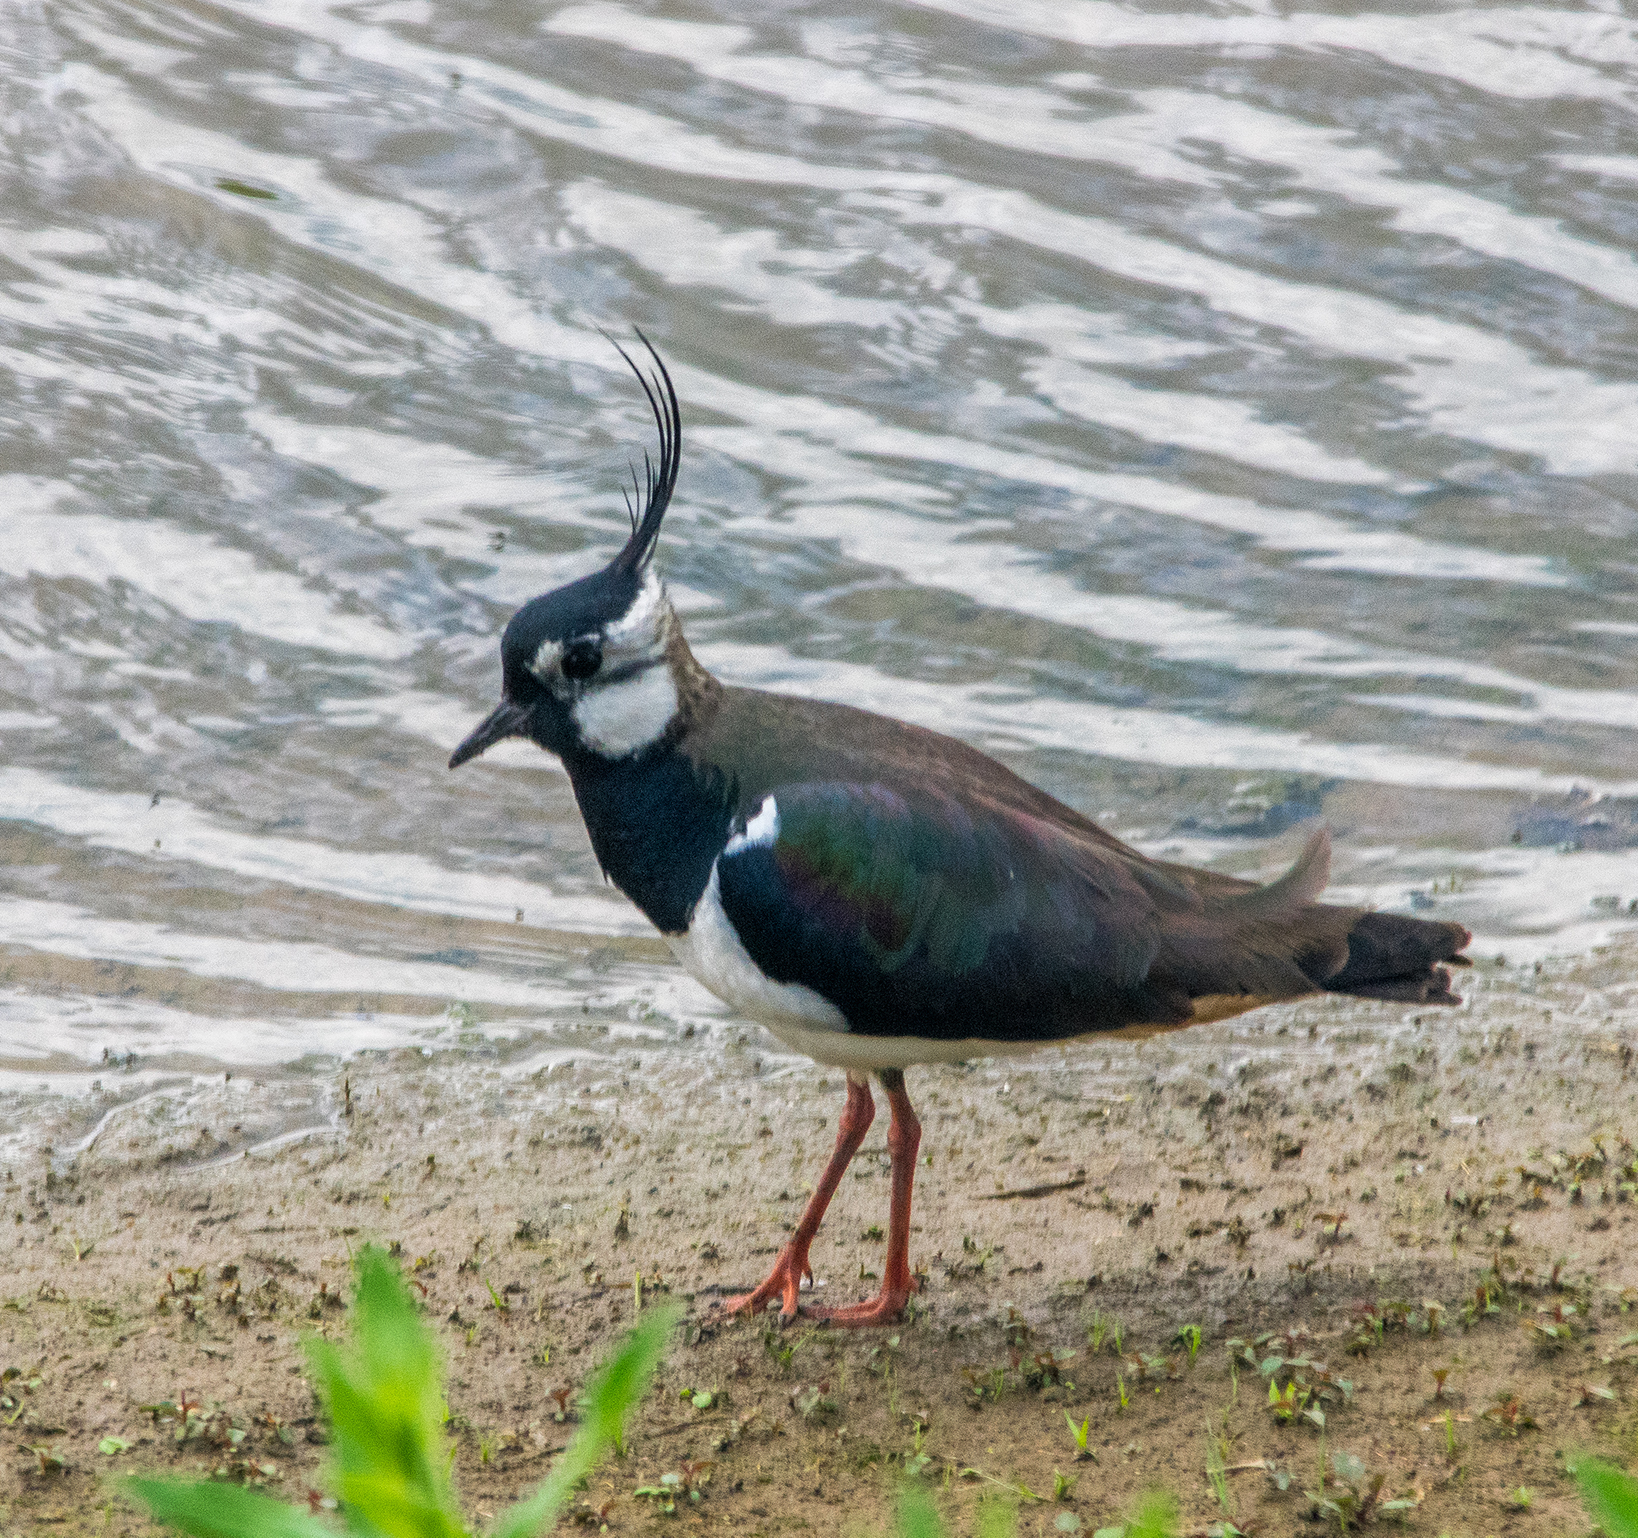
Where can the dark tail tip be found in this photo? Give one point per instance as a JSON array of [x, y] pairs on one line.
[[1393, 956]]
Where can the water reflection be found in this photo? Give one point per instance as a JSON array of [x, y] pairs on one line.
[[1225, 417]]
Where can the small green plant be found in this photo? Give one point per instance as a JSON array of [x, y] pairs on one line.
[[1509, 1414], [1189, 1338], [1105, 1329], [1045, 1369], [1217, 1475], [15, 1382], [1080, 1433], [1290, 1402], [50, 1462], [984, 1383], [783, 1346], [917, 1460], [684, 1485], [813, 1402], [883, 1356], [390, 1455]]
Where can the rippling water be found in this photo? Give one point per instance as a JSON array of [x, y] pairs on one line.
[[1226, 415]]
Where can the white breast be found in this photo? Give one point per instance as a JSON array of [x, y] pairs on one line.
[[713, 953]]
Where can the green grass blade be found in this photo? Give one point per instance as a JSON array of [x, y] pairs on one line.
[[209, 1510], [997, 1519], [389, 1455], [918, 1517], [1611, 1498], [615, 1392], [1155, 1517]]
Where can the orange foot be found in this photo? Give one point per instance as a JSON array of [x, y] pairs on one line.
[[784, 1282], [884, 1308]]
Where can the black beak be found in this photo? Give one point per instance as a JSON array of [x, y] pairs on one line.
[[505, 720]]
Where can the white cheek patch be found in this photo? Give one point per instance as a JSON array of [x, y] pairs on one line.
[[546, 659], [617, 719]]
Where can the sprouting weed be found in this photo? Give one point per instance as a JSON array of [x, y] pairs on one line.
[[1217, 1475], [917, 1459], [1189, 1337], [1144, 1366], [883, 1356], [984, 1383], [1353, 1497], [51, 1462], [388, 1416], [1553, 1327], [1046, 1369], [1015, 1329], [1291, 1401], [1097, 1331], [1589, 1393], [1080, 1434], [1509, 1414], [813, 1401], [684, 1484]]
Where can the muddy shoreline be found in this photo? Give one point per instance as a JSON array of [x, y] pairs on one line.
[[1328, 1167]]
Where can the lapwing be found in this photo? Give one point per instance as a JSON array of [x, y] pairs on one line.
[[879, 895]]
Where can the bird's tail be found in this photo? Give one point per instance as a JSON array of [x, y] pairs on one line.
[[1261, 943], [1393, 956]]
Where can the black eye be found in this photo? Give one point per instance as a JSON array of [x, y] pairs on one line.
[[581, 659]]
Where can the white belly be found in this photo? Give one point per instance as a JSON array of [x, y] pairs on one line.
[[805, 1021]]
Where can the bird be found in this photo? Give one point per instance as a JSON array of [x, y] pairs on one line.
[[879, 895]]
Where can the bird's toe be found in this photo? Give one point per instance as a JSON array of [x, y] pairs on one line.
[[885, 1308]]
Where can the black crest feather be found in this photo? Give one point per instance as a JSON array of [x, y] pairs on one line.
[[659, 478]]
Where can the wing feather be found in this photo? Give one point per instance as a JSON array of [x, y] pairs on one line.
[[920, 914]]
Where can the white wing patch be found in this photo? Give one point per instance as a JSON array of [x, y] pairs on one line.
[[618, 719], [762, 829]]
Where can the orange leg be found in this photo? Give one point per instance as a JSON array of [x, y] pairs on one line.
[[903, 1140], [785, 1280]]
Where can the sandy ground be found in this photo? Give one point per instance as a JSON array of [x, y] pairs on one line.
[[1341, 1175]]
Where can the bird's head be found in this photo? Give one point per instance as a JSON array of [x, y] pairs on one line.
[[592, 667]]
